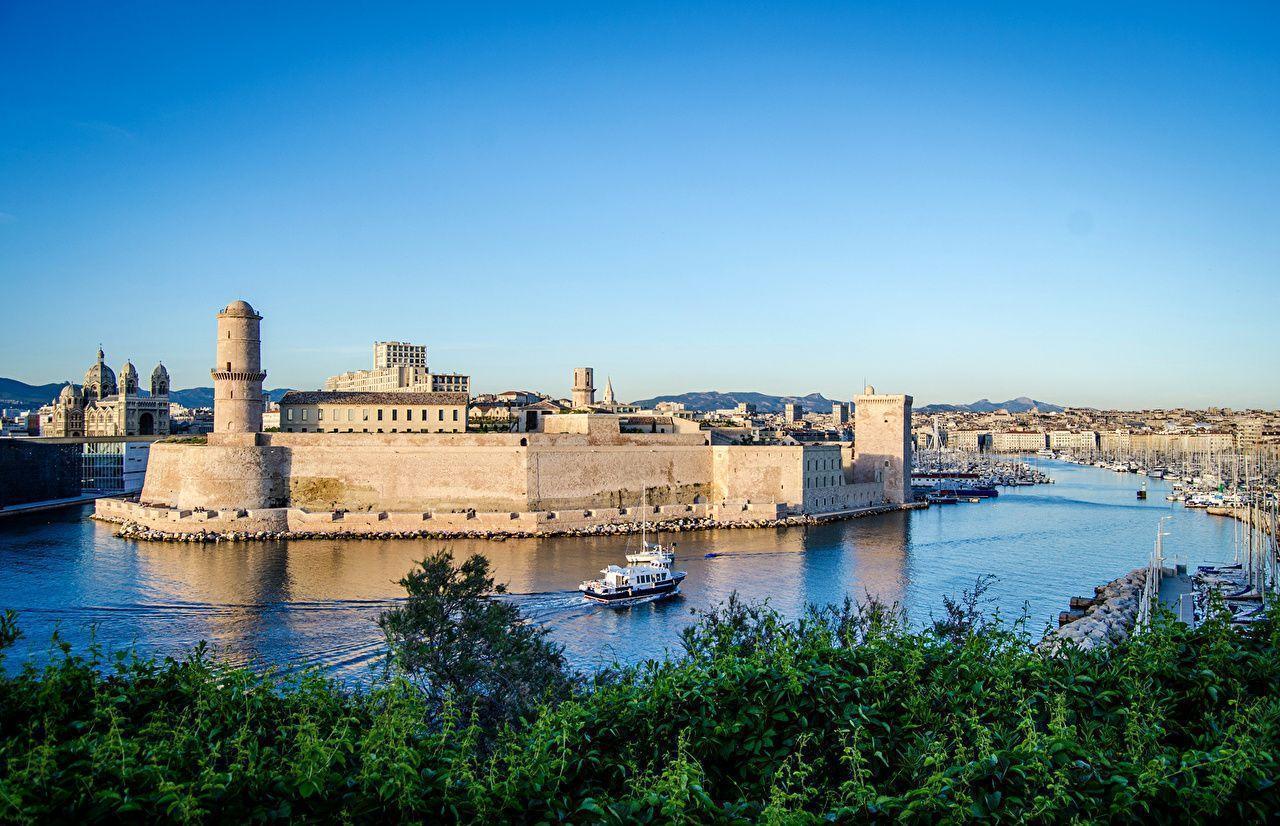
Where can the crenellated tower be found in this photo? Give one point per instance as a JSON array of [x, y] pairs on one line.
[[238, 374]]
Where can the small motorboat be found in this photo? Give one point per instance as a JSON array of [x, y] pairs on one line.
[[1142, 492], [647, 576]]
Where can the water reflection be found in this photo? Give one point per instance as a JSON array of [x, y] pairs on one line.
[[317, 603]]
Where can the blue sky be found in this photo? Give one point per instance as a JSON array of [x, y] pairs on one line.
[[1071, 201]]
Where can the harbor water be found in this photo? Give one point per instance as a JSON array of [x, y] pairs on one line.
[[316, 603]]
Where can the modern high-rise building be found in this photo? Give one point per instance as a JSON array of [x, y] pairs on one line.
[[399, 354], [398, 366]]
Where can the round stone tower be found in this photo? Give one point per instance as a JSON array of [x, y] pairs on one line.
[[238, 374]]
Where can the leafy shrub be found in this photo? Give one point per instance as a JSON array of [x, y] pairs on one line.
[[845, 714]]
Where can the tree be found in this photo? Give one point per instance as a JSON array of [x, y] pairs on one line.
[[456, 640]]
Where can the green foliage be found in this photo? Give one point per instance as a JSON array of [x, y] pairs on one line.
[[456, 641], [844, 714]]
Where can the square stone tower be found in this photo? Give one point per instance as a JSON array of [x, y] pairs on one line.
[[882, 443], [584, 388]]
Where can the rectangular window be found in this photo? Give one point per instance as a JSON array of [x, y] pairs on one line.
[[440, 414], [408, 414], [365, 412], [289, 414], [379, 414], [455, 414], [395, 414], [320, 415], [349, 412], [304, 414]]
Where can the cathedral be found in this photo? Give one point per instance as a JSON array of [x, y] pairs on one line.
[[103, 407]]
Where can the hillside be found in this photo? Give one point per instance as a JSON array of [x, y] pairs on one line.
[[715, 400], [14, 393], [1019, 405]]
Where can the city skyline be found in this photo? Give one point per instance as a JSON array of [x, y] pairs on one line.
[[1080, 209]]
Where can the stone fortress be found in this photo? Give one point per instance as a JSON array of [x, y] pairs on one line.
[[576, 471], [104, 407]]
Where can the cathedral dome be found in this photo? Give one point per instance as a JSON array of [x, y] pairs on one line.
[[240, 309], [100, 380], [129, 378], [70, 394], [160, 381]]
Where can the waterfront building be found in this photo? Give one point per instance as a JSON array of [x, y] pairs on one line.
[[398, 367], [405, 461], [398, 412], [1081, 442], [1019, 441], [104, 407], [970, 440]]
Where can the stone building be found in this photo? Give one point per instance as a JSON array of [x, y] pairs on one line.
[[398, 367], [335, 412], [1019, 441], [105, 407]]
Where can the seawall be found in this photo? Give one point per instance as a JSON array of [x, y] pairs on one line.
[[159, 523]]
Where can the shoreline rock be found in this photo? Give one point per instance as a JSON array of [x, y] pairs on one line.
[[130, 529], [1110, 618]]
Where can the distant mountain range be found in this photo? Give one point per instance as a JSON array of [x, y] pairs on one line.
[[818, 403], [14, 393], [715, 400], [1019, 405]]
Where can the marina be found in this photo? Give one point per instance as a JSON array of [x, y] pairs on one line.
[[315, 603]]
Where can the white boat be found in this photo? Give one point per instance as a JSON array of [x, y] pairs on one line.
[[632, 584], [646, 577]]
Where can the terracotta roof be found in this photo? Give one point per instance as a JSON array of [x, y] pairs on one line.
[[385, 398]]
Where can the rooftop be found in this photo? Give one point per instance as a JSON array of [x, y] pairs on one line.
[[355, 397]]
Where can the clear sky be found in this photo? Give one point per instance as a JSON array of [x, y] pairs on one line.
[[1076, 202]]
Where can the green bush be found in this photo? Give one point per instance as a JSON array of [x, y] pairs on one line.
[[844, 714]]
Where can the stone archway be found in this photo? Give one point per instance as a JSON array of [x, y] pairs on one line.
[[146, 425]]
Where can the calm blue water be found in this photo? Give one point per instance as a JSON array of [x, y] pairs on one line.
[[315, 603]]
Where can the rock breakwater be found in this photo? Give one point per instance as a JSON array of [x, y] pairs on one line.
[[1105, 620], [130, 529]]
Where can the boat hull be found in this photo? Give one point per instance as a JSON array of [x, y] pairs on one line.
[[634, 596]]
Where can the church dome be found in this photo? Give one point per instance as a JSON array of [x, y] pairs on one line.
[[240, 308], [100, 380], [129, 378], [160, 381], [70, 394]]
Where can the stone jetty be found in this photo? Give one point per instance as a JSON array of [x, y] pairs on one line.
[[1106, 619]]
